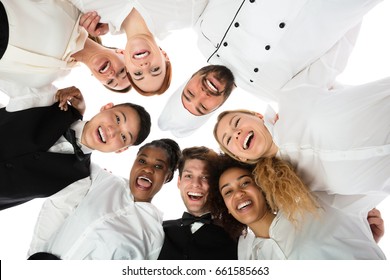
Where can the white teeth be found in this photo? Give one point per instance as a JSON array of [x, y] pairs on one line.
[[210, 85], [243, 204], [245, 145], [195, 194], [102, 136], [145, 178], [105, 68], [141, 55]]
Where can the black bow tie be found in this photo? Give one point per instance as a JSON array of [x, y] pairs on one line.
[[189, 219], [70, 135]]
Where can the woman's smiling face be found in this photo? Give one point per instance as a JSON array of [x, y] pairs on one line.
[[242, 196], [149, 173], [244, 135], [146, 63]]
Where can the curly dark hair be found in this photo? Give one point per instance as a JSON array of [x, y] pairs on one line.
[[216, 202]]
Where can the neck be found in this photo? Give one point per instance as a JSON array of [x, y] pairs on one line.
[[90, 48], [261, 227], [273, 150], [198, 213], [134, 24]]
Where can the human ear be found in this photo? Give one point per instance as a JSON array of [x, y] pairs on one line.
[[164, 54], [259, 115], [107, 106], [178, 182], [169, 177]]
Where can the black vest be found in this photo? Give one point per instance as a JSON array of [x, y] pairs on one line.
[[210, 242], [27, 170]]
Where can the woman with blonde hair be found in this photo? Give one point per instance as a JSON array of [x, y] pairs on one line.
[[338, 141], [314, 231]]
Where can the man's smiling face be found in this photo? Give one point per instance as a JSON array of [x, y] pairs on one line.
[[112, 130], [194, 186], [207, 89]]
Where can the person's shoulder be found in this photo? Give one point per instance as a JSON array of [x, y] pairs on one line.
[[171, 223]]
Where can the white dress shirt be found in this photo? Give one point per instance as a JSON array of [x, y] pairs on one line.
[[338, 140], [105, 224], [161, 17], [333, 235], [43, 36]]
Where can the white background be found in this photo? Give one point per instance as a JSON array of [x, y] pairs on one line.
[[369, 61]]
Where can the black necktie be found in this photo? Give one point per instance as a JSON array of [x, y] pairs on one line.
[[189, 219], [70, 135]]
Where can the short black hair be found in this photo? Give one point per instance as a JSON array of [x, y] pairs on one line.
[[145, 122]]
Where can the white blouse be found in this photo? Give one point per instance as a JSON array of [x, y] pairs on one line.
[[339, 140], [333, 235], [43, 36], [104, 224]]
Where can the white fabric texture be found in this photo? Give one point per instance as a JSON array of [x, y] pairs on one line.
[[333, 235], [338, 140], [103, 224], [267, 43]]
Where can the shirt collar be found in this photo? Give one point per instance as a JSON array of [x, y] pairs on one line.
[[78, 127]]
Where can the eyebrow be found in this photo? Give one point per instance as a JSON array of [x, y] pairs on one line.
[[125, 119], [157, 159], [153, 75], [237, 179], [230, 124], [199, 111]]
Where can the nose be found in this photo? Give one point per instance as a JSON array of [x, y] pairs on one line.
[[236, 133], [144, 64], [196, 182], [148, 168], [113, 131], [239, 193]]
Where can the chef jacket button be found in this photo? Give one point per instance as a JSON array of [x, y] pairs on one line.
[[251, 81], [225, 44], [236, 24], [267, 47], [256, 69], [282, 25], [252, 1], [9, 165], [217, 55]]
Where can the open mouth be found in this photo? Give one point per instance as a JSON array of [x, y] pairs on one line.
[[141, 55], [105, 67], [243, 205], [248, 140], [102, 135], [144, 182], [211, 86], [195, 195]]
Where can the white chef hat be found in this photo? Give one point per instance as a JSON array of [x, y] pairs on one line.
[[176, 119]]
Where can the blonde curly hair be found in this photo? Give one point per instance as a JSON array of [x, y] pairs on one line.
[[283, 189]]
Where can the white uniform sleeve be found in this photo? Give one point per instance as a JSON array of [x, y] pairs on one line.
[[23, 97], [54, 211]]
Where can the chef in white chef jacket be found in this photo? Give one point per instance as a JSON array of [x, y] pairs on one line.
[[266, 43]]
